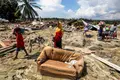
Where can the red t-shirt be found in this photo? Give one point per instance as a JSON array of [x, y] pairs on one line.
[[19, 40], [58, 36]]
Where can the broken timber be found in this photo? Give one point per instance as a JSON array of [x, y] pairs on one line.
[[4, 51], [106, 62], [2, 44], [87, 52], [67, 30]]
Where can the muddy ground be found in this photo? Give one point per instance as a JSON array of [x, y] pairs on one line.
[[26, 68]]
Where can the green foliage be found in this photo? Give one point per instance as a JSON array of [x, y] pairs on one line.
[[8, 9]]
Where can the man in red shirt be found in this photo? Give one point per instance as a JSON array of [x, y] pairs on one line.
[[20, 42]]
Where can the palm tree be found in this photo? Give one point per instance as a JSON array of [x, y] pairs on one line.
[[26, 7]]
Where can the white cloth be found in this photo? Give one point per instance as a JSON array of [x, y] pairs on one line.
[[71, 63], [113, 28], [104, 29]]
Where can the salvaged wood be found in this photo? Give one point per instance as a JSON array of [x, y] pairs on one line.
[[12, 45], [67, 30], [106, 62], [5, 43], [89, 52], [2, 44], [6, 50]]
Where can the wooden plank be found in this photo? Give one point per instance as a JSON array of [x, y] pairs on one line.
[[2, 44], [7, 52], [12, 45], [89, 52], [106, 62], [1, 49], [7, 48]]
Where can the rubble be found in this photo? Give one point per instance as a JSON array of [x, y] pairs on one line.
[[97, 70], [26, 69], [6, 50], [31, 40], [72, 40], [3, 27]]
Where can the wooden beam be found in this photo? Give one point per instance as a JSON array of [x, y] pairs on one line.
[[7, 52], [2, 44], [89, 52], [106, 62], [7, 48]]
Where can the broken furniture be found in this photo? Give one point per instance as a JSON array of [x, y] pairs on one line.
[[53, 63]]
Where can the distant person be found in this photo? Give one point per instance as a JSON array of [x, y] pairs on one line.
[[20, 42], [85, 30], [100, 30], [106, 32], [58, 36], [113, 30]]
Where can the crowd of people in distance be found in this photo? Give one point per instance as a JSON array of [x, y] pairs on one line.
[[104, 32], [107, 32]]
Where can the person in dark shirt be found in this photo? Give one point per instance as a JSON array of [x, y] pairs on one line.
[[100, 31]]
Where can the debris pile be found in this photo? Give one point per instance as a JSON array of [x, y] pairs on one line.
[[98, 71], [26, 69], [72, 40], [68, 28], [3, 27]]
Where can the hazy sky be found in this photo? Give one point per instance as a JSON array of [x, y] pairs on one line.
[[92, 9]]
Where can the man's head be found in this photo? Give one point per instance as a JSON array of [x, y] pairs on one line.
[[59, 25], [115, 24], [101, 24], [17, 30]]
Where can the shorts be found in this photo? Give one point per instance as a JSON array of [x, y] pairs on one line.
[[18, 49]]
